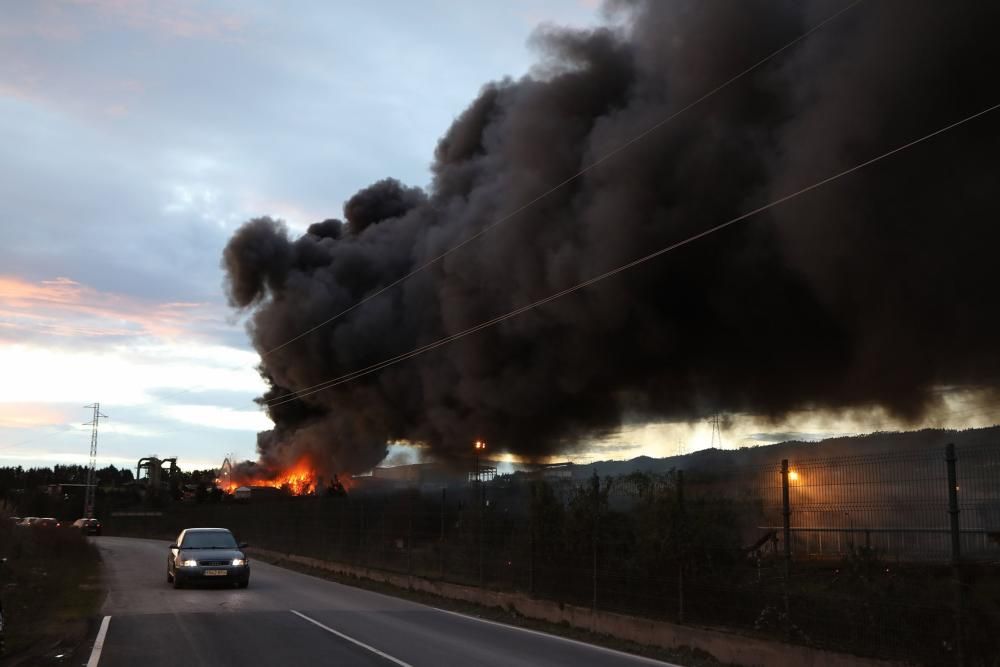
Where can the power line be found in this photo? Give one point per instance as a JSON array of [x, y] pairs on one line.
[[307, 391], [70, 428], [607, 156], [67, 429]]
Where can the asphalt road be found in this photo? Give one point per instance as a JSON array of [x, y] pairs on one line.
[[287, 618]]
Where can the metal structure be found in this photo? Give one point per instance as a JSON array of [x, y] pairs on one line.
[[225, 478], [483, 473], [716, 422], [157, 470], [89, 496]]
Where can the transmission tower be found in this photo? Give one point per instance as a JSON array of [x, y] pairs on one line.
[[88, 499], [679, 448], [716, 422]]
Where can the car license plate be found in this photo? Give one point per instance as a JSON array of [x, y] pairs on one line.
[[215, 573]]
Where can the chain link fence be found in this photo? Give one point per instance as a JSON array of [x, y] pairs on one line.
[[891, 556]]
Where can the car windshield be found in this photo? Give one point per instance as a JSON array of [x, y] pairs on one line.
[[216, 539]]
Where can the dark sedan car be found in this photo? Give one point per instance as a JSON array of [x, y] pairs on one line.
[[207, 555]]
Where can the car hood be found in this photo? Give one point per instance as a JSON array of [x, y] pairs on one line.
[[212, 554]]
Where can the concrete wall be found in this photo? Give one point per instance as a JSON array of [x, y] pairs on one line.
[[724, 646]]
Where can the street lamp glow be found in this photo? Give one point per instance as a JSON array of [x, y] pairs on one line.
[[479, 444], [793, 476]]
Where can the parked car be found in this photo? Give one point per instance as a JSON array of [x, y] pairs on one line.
[[28, 520], [207, 555], [88, 526], [46, 522]]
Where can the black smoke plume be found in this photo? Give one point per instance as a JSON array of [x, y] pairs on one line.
[[876, 290]]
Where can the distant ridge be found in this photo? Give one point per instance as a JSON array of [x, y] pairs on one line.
[[797, 450]]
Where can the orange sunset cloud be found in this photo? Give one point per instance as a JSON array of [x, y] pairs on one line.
[[66, 308], [29, 415]]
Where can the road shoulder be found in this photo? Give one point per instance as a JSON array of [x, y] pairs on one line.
[[683, 656]]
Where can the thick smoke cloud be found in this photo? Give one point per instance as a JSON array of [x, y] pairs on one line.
[[383, 200], [877, 290]]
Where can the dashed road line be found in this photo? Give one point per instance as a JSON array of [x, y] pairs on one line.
[[350, 639]]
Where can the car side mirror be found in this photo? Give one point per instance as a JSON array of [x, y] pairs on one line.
[[243, 545], [174, 546]]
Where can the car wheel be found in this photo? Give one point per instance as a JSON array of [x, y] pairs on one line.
[[244, 583], [177, 582]]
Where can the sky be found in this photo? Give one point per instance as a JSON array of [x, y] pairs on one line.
[[136, 136]]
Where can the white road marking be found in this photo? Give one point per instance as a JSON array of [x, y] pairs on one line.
[[603, 649], [350, 639], [95, 654]]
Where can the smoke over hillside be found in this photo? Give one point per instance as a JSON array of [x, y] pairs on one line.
[[878, 289]]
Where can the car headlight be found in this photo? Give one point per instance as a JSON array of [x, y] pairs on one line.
[[189, 563], [239, 561]]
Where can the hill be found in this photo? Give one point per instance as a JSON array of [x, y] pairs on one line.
[[859, 445]]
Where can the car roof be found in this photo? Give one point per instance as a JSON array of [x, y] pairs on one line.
[[207, 530]]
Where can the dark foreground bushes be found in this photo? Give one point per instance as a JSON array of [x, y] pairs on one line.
[[50, 588]]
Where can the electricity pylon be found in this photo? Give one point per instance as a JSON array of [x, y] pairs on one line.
[[88, 498], [716, 423]]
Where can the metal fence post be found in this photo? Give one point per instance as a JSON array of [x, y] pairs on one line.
[[681, 533], [441, 537], [361, 533], [531, 539], [342, 511], [409, 534], [956, 553], [322, 517], [786, 513], [385, 512], [482, 527], [597, 513]]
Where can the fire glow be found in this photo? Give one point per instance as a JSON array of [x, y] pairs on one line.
[[298, 480]]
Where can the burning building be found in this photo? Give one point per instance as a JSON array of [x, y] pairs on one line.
[[302, 478], [299, 479]]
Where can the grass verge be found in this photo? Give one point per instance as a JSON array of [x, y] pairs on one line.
[[689, 657], [51, 593]]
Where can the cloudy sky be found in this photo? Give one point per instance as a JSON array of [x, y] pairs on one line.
[[136, 135]]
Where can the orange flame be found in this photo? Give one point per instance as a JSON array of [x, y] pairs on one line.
[[299, 479]]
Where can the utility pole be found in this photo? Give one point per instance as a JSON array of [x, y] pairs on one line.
[[716, 422], [786, 537], [480, 446], [956, 553], [88, 501]]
